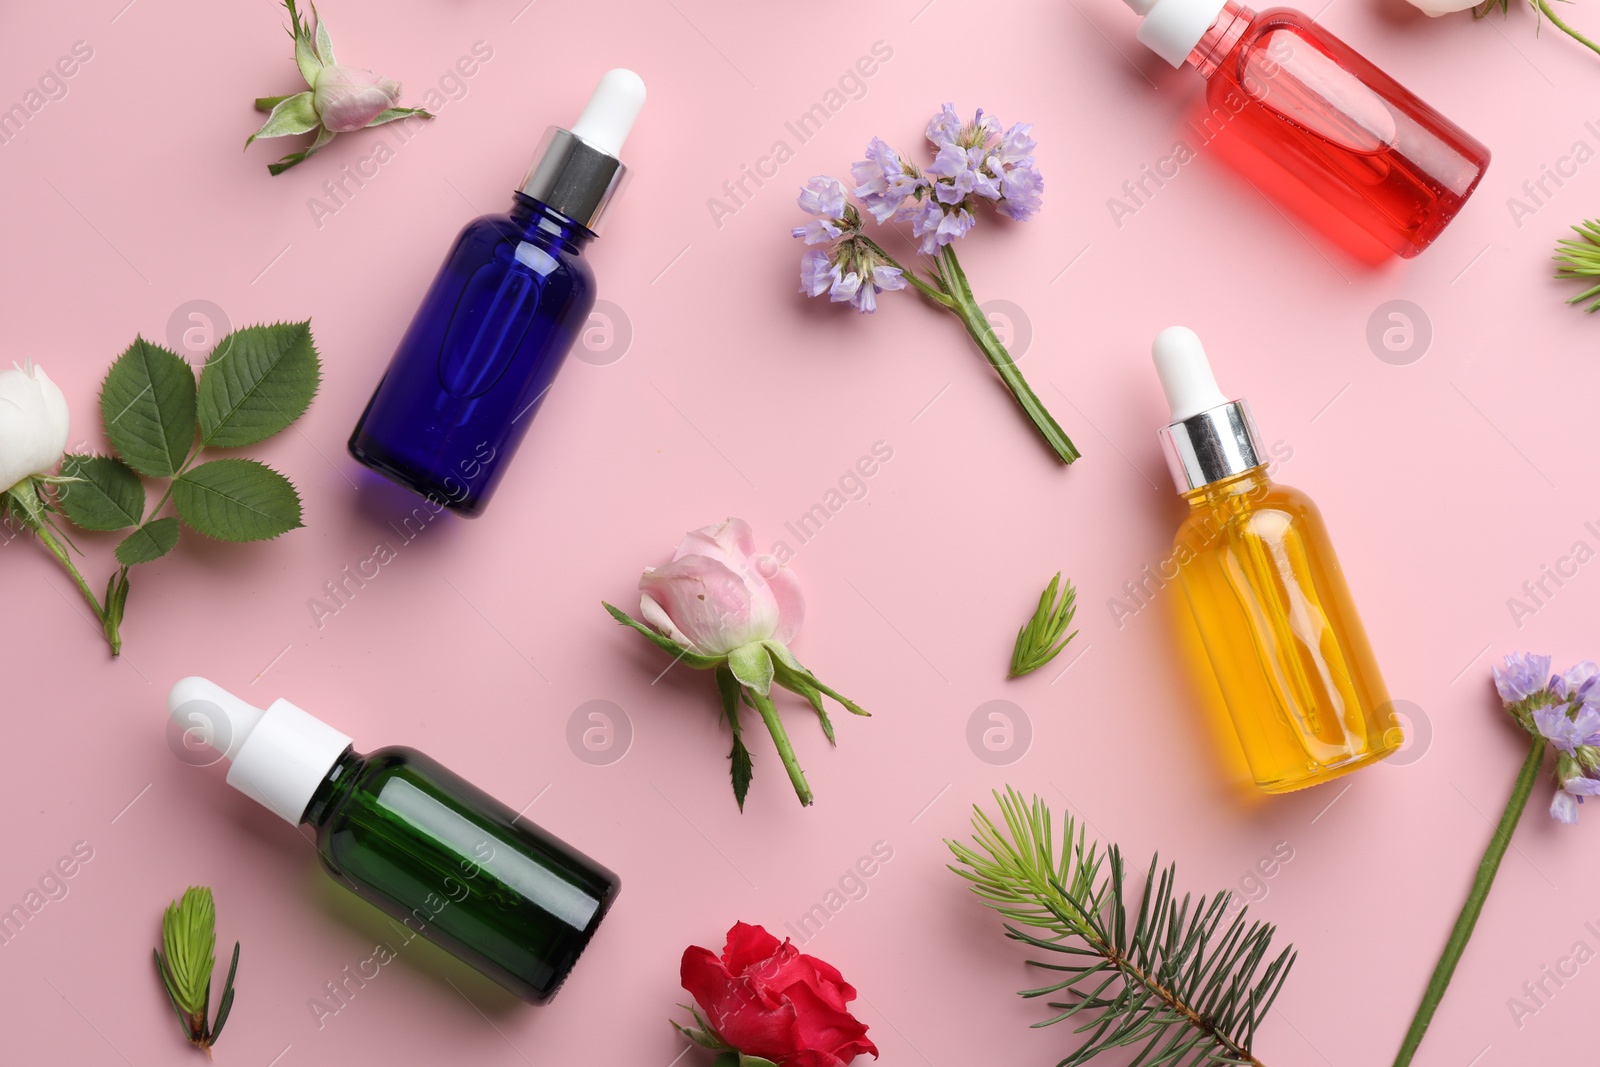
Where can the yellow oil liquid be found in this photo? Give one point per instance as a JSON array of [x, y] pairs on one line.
[[1290, 655]]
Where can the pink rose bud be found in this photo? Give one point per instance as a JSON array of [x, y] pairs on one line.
[[721, 605], [719, 594], [347, 98]]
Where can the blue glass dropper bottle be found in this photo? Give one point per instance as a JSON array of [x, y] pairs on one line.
[[496, 325]]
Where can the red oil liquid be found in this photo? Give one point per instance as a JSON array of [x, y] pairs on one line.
[[1331, 136]]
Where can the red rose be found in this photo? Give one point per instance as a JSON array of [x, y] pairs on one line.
[[771, 1000]]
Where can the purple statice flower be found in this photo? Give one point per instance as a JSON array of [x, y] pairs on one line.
[[1564, 805], [1581, 684], [860, 290], [823, 197], [817, 231], [965, 169], [1021, 184], [945, 127], [1566, 730], [817, 272], [846, 288], [881, 279], [849, 269], [938, 225], [1523, 675], [1568, 718], [1016, 145], [973, 162], [860, 286], [884, 180], [1021, 192]]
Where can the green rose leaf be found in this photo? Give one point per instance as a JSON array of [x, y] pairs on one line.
[[392, 114], [148, 406], [753, 666], [796, 680], [22, 500], [305, 52], [290, 115], [795, 671], [700, 1037], [324, 135], [150, 541], [666, 644], [107, 494], [324, 44], [237, 500], [739, 756], [256, 382]]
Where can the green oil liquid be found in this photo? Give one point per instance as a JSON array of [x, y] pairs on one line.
[[460, 868]]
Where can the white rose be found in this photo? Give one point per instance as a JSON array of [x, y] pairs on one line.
[[1434, 8], [33, 424]]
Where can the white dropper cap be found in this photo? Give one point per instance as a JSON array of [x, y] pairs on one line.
[[1185, 373], [608, 117], [1172, 28], [577, 171], [1209, 437], [280, 755]]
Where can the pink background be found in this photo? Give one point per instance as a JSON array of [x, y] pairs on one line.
[[1448, 482]]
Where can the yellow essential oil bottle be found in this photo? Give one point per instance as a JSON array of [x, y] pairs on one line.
[[1266, 592]]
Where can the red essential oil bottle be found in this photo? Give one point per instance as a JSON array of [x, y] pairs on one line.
[[1333, 137]]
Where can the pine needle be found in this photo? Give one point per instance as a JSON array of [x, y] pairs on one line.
[[1189, 989], [185, 961], [1041, 637], [1581, 259]]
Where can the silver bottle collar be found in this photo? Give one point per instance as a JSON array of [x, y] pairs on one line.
[[1218, 443], [573, 177]]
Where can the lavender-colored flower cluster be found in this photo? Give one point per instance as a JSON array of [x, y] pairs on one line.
[[973, 163], [1565, 710], [849, 269]]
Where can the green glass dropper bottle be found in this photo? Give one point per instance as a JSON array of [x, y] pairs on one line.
[[405, 833]]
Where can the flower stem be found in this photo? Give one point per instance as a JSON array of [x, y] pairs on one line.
[[780, 738], [955, 295], [1549, 13], [1487, 868], [109, 615], [966, 308], [48, 538], [108, 618]]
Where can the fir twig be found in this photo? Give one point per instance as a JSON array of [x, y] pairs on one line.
[[185, 961], [1041, 637], [1190, 990], [1580, 258]]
